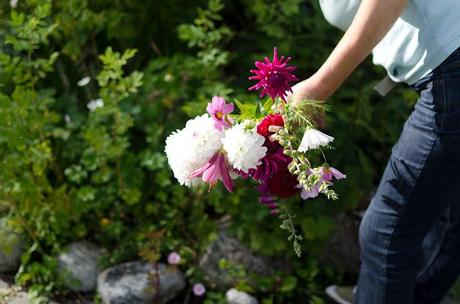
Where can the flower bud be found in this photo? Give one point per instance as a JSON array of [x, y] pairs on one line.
[[273, 137], [274, 128]]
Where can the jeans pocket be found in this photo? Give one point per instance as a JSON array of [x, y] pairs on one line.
[[449, 94]]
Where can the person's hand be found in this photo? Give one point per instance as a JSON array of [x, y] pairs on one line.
[[310, 88]]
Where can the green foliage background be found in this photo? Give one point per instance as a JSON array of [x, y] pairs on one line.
[[69, 173]]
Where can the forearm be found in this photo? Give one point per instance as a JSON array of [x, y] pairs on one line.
[[371, 23]]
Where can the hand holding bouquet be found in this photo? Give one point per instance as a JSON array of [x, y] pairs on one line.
[[272, 143]]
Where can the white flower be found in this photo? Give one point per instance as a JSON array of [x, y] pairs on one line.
[[68, 120], [312, 139], [192, 147], [14, 3], [168, 77], [84, 81], [94, 104], [244, 147]]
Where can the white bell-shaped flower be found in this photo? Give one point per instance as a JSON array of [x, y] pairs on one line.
[[312, 139]]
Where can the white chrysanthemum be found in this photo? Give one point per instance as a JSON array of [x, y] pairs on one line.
[[244, 147], [312, 139], [192, 147]]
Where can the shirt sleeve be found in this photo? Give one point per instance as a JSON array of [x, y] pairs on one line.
[[339, 13]]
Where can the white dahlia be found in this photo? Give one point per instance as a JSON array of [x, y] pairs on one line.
[[244, 147], [192, 147], [312, 139]]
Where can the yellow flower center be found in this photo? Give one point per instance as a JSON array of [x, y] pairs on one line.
[[219, 115]]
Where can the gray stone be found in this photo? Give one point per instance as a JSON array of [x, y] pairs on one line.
[[11, 247], [17, 295], [5, 283], [13, 294], [137, 282], [237, 257], [20, 297], [234, 296], [342, 249], [79, 267]]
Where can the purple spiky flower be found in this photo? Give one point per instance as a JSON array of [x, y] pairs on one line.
[[274, 77]]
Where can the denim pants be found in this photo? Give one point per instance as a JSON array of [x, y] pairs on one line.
[[410, 234]]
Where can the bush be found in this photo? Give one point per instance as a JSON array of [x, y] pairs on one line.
[[87, 162]]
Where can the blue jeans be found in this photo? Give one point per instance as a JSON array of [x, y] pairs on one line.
[[410, 234]]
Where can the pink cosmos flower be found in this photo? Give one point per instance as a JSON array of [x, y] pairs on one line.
[[173, 258], [219, 110], [199, 289], [214, 170], [274, 77], [330, 172], [326, 174]]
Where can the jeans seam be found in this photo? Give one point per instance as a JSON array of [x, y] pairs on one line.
[[438, 248], [444, 102], [410, 194]]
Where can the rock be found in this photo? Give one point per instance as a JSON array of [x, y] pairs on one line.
[[234, 296], [5, 283], [79, 266], [238, 257], [342, 249], [11, 247], [20, 297], [17, 295], [134, 283], [13, 294]]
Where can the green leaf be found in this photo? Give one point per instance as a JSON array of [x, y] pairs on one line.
[[289, 284], [247, 110]]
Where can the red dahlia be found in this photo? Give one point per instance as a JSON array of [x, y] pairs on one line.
[[274, 77], [269, 120], [262, 129]]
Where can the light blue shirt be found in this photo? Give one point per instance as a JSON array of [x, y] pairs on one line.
[[426, 33]]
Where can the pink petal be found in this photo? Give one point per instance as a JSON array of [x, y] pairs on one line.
[[210, 109], [202, 169], [228, 108], [337, 174], [310, 194], [211, 175], [218, 102], [218, 124], [199, 171], [226, 179], [275, 54]]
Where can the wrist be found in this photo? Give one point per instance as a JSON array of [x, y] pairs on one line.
[[323, 89]]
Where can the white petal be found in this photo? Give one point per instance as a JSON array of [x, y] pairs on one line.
[[95, 104], [191, 147], [84, 81], [312, 139], [244, 148]]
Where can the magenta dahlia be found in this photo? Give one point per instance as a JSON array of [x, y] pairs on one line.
[[274, 77]]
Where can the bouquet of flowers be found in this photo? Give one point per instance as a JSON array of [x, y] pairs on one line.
[[271, 142]]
